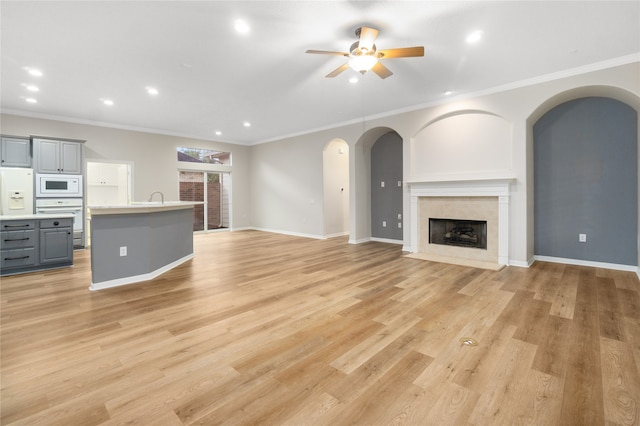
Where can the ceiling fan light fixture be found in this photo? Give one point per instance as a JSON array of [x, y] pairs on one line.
[[363, 63]]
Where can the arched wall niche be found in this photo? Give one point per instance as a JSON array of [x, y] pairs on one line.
[[465, 142], [612, 92], [360, 183]]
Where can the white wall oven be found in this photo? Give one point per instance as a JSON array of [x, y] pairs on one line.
[[58, 185], [56, 206]]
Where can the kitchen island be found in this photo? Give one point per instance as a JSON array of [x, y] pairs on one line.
[[139, 241]]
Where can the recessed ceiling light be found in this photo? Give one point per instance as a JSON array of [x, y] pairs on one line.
[[32, 88], [218, 132], [241, 26], [353, 80], [474, 37], [108, 102], [152, 91], [34, 72], [448, 92], [31, 100], [246, 124]]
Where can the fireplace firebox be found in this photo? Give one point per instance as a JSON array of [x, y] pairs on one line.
[[457, 232]]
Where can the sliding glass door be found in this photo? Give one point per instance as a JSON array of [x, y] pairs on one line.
[[212, 189]]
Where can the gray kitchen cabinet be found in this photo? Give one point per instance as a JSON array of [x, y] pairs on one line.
[[18, 240], [57, 156], [15, 151], [56, 241], [33, 245]]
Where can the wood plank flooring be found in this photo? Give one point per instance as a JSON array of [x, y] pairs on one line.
[[270, 329]]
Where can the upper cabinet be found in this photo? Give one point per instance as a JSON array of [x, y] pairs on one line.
[[57, 156], [102, 174], [16, 151]]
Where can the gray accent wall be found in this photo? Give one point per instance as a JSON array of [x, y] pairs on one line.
[[586, 181], [386, 202]]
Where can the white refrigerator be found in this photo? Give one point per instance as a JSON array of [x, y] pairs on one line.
[[16, 191]]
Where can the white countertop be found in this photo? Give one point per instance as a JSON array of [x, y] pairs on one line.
[[37, 216], [142, 207]]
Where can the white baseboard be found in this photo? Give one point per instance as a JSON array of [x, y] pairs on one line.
[[360, 241], [293, 234], [139, 278], [339, 234], [520, 264], [386, 240], [603, 265]]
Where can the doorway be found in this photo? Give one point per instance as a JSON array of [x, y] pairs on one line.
[[108, 184], [336, 188], [213, 190]]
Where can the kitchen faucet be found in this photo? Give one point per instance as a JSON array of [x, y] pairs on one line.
[[157, 192]]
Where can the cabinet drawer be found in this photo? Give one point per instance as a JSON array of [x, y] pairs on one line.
[[17, 239], [18, 257], [56, 223], [12, 225]]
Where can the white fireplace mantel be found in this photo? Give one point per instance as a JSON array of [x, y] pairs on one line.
[[489, 187]]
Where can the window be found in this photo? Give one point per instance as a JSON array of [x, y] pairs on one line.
[[199, 155]]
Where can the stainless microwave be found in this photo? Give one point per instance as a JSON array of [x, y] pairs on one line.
[[58, 185]]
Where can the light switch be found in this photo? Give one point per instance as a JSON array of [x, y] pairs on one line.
[[382, 184]]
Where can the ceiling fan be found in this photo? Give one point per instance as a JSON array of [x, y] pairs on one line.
[[364, 56]]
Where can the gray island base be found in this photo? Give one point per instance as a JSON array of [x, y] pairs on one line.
[[135, 243]]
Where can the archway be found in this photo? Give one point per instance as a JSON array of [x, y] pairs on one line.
[[335, 170]]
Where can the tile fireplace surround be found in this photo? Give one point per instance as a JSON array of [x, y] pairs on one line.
[[474, 199]]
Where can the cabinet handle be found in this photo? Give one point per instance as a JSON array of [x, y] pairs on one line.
[[16, 258], [16, 226], [17, 239]]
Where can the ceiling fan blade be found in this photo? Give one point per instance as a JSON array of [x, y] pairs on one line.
[[327, 52], [367, 38], [402, 52], [337, 70], [381, 70]]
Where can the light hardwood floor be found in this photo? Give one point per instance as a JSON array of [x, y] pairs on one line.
[[270, 329]]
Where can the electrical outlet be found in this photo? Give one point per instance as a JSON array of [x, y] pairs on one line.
[[382, 184], [399, 216], [399, 224], [400, 183], [582, 238], [384, 223], [123, 251]]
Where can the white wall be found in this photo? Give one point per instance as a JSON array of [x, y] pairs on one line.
[[153, 156]]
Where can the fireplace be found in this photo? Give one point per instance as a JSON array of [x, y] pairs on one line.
[[457, 232], [466, 201]]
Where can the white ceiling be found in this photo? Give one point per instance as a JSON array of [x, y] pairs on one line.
[[212, 78]]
